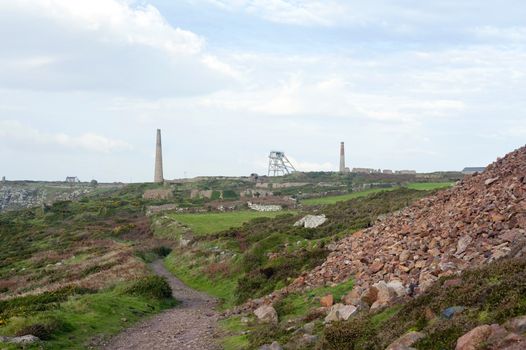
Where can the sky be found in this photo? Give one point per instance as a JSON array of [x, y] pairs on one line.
[[406, 84]]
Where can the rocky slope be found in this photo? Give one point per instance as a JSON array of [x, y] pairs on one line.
[[480, 220]]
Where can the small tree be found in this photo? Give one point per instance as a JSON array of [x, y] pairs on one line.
[[94, 183]]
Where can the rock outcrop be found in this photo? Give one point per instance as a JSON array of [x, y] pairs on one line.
[[481, 219]]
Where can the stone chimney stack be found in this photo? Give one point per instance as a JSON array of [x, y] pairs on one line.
[[158, 159], [342, 158]]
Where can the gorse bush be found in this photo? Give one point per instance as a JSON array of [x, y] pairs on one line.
[[151, 287]]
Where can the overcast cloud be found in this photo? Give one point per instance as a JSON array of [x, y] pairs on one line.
[[427, 86]]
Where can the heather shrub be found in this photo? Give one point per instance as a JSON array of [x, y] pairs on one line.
[[150, 286]]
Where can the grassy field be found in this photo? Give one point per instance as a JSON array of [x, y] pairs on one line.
[[421, 186], [342, 198], [206, 223], [429, 186]]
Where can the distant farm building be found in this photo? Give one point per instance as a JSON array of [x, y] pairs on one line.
[[472, 170], [387, 171], [405, 172], [72, 179]]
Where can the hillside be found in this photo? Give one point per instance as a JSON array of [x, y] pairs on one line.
[[72, 271], [264, 254], [480, 220], [440, 267], [93, 254]]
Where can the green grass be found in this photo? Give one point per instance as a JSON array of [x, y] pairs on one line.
[[345, 197], [206, 223], [384, 316], [293, 310], [82, 317], [222, 287], [429, 186], [234, 340], [421, 186], [298, 304]]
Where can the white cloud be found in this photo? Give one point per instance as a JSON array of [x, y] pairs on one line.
[[332, 97], [115, 21], [229, 87], [312, 166], [216, 64], [103, 45], [302, 12], [506, 34], [262, 164], [14, 134]]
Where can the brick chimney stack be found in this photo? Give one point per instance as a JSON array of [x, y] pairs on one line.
[[342, 157], [158, 159]]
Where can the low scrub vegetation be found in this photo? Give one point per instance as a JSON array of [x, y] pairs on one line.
[[491, 294], [72, 271], [155, 287], [71, 322]]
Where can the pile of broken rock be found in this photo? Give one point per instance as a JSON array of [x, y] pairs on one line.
[[481, 219]]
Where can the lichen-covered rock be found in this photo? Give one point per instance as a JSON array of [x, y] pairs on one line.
[[340, 312], [311, 221], [274, 346], [25, 339], [406, 341], [266, 314], [385, 295], [517, 324]]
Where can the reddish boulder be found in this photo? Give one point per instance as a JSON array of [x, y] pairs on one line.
[[405, 341], [327, 300], [473, 339]]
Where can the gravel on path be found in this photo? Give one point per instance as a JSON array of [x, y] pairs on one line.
[[190, 325]]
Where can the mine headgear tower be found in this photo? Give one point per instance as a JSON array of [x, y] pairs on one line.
[[278, 164]]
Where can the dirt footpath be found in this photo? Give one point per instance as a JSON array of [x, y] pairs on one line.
[[190, 325]]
